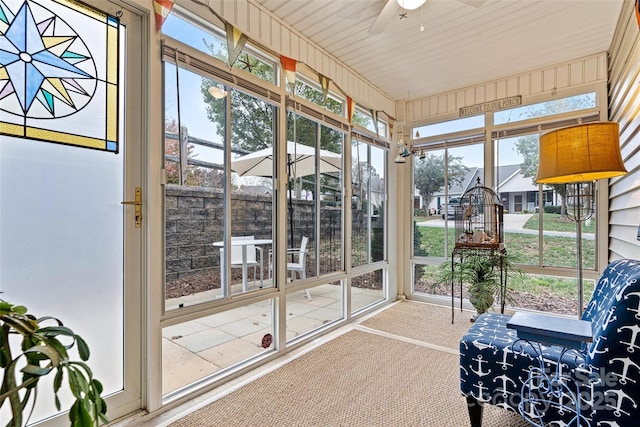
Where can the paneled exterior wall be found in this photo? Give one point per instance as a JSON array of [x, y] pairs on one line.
[[571, 74], [624, 108], [260, 25]]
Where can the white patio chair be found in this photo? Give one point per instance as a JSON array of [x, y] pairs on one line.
[[255, 256], [298, 265]]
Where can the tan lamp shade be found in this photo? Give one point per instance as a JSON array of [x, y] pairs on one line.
[[585, 152]]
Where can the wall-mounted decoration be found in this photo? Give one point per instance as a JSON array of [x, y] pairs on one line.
[[59, 73], [485, 107]]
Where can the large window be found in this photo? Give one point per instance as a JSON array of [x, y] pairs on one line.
[[440, 179], [546, 109], [198, 197], [367, 203], [315, 196], [190, 31], [327, 100], [219, 219], [223, 209], [530, 207], [448, 127], [371, 121], [537, 232]]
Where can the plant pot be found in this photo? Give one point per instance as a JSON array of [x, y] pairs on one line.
[[481, 300]]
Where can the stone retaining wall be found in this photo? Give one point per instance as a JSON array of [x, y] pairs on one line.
[[194, 219]]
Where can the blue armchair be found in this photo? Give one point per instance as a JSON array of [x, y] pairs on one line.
[[604, 378]]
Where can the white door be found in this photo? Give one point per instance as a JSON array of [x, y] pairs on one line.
[[70, 153]]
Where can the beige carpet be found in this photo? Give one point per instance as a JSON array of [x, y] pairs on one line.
[[424, 322], [362, 379]]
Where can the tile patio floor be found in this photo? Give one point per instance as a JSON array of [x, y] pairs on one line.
[[198, 348]]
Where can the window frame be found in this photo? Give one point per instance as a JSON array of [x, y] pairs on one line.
[[533, 125]]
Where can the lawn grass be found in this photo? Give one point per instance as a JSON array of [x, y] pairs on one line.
[[554, 222], [524, 248], [531, 283], [558, 286]]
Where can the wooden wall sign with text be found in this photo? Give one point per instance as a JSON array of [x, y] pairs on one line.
[[498, 104]]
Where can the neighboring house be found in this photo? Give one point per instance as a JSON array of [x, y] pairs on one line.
[[455, 191], [517, 192]]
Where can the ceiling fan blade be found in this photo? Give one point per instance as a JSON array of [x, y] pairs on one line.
[[384, 17], [473, 3]]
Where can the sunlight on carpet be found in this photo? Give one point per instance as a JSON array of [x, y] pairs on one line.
[[425, 322]]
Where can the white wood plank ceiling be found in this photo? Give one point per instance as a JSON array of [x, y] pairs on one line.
[[462, 44]]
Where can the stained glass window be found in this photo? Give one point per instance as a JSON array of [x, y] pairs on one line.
[[59, 73]]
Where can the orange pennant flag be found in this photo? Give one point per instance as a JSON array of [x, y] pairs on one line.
[[350, 109], [162, 8], [289, 66]]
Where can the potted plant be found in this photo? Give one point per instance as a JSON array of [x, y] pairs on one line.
[[31, 348], [481, 272]]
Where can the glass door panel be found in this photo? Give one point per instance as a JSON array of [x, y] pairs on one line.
[[69, 248], [330, 253]]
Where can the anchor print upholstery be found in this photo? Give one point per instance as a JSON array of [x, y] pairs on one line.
[[494, 365]]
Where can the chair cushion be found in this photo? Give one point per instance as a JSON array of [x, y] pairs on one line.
[[494, 365]]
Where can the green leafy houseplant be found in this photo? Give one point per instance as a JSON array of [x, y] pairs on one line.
[[482, 274], [34, 347]]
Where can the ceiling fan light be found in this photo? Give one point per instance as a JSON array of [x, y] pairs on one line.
[[410, 4]]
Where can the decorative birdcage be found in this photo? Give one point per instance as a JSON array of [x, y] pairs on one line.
[[479, 219]]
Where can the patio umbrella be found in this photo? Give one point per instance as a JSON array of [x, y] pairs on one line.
[[301, 162], [302, 159]]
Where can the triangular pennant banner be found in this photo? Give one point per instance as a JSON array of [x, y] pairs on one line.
[[374, 117], [289, 66], [350, 109], [162, 8], [236, 40], [324, 83]]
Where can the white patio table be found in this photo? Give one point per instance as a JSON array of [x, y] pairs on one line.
[[244, 243]]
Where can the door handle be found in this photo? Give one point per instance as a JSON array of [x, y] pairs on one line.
[[138, 205]]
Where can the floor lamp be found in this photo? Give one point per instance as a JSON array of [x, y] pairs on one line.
[[576, 156]]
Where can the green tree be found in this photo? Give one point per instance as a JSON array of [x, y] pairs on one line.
[[429, 174], [252, 119], [527, 147]]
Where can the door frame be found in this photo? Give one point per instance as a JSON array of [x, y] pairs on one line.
[[134, 95]]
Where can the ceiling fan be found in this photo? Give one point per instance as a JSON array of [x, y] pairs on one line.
[[391, 7]]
